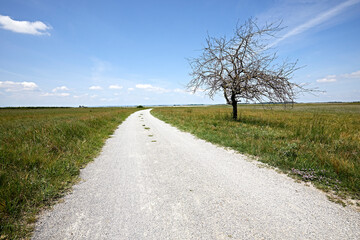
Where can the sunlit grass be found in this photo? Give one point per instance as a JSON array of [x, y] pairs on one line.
[[316, 142], [41, 152]]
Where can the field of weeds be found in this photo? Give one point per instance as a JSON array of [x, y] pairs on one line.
[[313, 142], [41, 153]]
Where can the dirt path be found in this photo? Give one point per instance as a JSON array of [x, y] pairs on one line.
[[152, 181]]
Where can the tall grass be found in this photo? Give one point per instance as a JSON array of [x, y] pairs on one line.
[[316, 142], [41, 152]]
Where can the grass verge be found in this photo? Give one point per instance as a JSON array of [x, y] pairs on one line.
[[41, 153], [312, 142]]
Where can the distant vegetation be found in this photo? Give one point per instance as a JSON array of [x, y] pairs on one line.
[[314, 142], [41, 153]]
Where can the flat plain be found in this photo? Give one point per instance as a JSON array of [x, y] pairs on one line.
[[313, 142], [152, 181], [41, 153], [43, 149]]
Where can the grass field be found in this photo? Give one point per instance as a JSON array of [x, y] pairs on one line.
[[41, 153], [313, 142]]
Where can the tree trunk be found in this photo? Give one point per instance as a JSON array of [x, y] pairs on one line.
[[234, 105]]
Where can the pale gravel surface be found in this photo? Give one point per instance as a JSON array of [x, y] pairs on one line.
[[180, 187]]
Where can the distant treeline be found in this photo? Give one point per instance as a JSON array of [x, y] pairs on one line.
[[33, 107], [165, 105]]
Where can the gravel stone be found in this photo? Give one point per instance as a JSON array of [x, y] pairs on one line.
[[181, 187]]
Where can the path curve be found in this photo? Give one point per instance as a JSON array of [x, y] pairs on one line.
[[152, 181]]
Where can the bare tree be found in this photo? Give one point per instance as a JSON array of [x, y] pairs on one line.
[[244, 67]]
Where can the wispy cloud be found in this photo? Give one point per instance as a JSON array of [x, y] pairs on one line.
[[151, 88], [118, 87], [26, 27], [197, 91], [62, 88], [109, 99], [81, 96], [319, 19], [55, 94], [179, 90], [335, 78], [99, 70], [327, 79], [95, 88], [353, 75], [10, 86]]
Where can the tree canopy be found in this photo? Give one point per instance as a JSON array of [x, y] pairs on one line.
[[244, 67]]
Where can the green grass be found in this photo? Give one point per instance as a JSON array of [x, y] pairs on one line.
[[41, 153], [313, 142]]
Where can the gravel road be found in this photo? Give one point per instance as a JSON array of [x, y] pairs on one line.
[[160, 183]]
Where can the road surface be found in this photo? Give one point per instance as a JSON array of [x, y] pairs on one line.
[[152, 181]]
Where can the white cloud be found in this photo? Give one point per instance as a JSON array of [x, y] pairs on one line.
[[353, 75], [326, 79], [319, 19], [115, 87], [151, 88], [329, 78], [55, 94], [99, 69], [184, 91], [34, 28], [95, 88], [81, 96], [10, 86], [179, 90], [144, 86], [335, 78], [62, 88], [63, 94], [198, 90], [109, 99]]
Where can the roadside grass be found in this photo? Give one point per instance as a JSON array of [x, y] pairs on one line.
[[312, 142], [41, 153]]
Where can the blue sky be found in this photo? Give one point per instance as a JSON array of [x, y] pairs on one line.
[[114, 53]]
